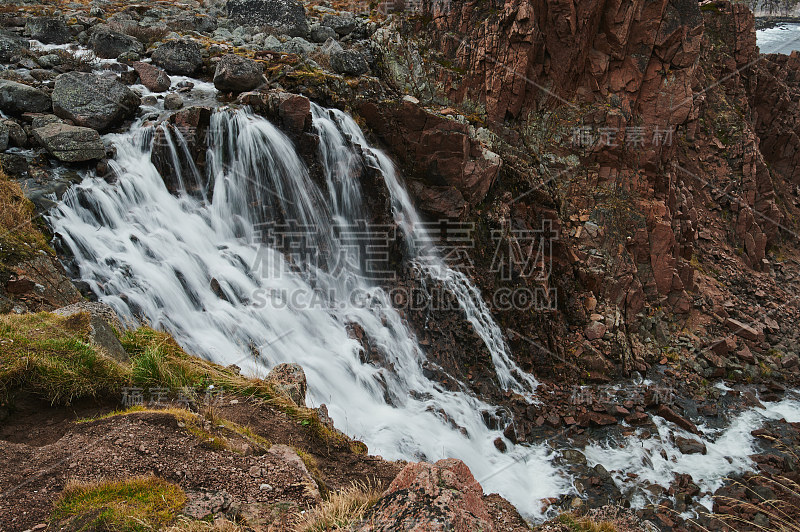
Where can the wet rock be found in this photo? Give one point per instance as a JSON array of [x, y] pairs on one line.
[[349, 62], [152, 77], [669, 414], [343, 24], [17, 98], [48, 30], [449, 171], [287, 16], [173, 101], [182, 57], [11, 45], [690, 445], [109, 44], [295, 112], [93, 101], [320, 33], [500, 445], [70, 143], [432, 497], [292, 380], [238, 74]]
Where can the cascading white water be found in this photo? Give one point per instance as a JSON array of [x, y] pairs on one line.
[[329, 124], [194, 268]]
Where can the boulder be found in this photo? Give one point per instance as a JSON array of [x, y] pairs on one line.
[[17, 98], [48, 30], [173, 101], [11, 45], [291, 379], [152, 77], [70, 143], [183, 57], [93, 101], [109, 44], [287, 16], [430, 497], [238, 74], [297, 45], [320, 34], [349, 62], [342, 24], [690, 445]]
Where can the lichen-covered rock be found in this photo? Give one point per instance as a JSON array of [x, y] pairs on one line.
[[182, 57], [349, 62], [173, 101], [109, 44], [89, 100], [238, 74], [291, 379], [431, 498], [48, 30], [288, 16], [70, 143], [17, 98], [343, 24], [11, 45], [320, 34]]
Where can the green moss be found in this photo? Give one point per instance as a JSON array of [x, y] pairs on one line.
[[136, 504], [50, 356]]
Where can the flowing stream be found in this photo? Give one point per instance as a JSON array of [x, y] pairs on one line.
[[209, 272]]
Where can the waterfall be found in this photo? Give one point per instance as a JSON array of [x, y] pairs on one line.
[[207, 272]]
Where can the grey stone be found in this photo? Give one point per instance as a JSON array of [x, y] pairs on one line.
[[44, 120], [297, 45], [288, 16], [320, 33], [70, 143], [181, 57], [93, 101], [48, 30], [109, 44], [11, 45], [343, 24], [49, 60], [238, 74], [272, 43], [102, 322], [349, 62], [17, 98], [16, 134], [173, 101]]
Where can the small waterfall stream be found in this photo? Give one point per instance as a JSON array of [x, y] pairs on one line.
[[196, 268]]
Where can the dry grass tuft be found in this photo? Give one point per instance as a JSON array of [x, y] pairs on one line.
[[341, 509], [19, 236]]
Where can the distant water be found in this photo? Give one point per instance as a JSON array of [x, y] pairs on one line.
[[781, 39]]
